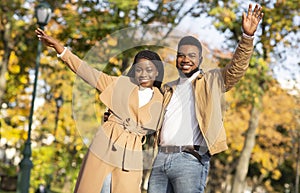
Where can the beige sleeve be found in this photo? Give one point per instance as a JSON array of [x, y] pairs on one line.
[[91, 75], [235, 70]]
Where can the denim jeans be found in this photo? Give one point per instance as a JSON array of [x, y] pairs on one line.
[[178, 173], [106, 184]]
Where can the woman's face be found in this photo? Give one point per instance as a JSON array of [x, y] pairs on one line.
[[145, 73]]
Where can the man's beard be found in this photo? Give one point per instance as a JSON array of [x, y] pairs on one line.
[[187, 75]]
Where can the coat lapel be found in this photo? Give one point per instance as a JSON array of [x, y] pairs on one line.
[[121, 97]]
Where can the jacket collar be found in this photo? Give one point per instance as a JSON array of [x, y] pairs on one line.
[[196, 76]]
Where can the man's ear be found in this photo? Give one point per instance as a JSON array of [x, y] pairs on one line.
[[200, 60]]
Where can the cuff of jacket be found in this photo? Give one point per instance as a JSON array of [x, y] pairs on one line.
[[247, 36], [63, 53], [247, 42]]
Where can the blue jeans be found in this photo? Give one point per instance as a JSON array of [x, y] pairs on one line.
[[106, 185], [178, 173]]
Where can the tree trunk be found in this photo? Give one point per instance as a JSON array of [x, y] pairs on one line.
[[243, 163], [297, 167], [4, 63], [3, 69]]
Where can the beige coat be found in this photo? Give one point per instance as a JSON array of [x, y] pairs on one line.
[[118, 141], [208, 91]]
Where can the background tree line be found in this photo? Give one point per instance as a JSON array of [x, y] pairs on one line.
[[262, 119]]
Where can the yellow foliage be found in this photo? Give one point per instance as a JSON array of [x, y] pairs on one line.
[[13, 66], [44, 60], [12, 135], [78, 147], [112, 41], [69, 6], [256, 148], [278, 36], [269, 20], [24, 135], [262, 62], [230, 158], [263, 171], [15, 120], [76, 35], [232, 105], [227, 19], [256, 100], [117, 71], [19, 22], [56, 12], [56, 95], [277, 112], [266, 162], [15, 69], [235, 122], [276, 174], [268, 185], [238, 145], [114, 61], [23, 79]]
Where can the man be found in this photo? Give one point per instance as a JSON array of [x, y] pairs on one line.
[[192, 127]]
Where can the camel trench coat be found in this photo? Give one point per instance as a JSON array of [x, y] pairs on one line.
[[118, 141]]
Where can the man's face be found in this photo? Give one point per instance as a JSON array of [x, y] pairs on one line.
[[188, 58]]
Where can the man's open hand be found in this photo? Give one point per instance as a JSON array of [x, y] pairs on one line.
[[252, 19]]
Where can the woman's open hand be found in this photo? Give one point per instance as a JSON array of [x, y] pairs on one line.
[[49, 41]]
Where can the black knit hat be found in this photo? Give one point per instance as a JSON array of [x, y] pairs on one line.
[[155, 59]]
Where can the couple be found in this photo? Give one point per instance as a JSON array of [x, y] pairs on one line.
[[186, 115]]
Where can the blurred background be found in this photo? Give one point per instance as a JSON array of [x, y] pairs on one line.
[[41, 146]]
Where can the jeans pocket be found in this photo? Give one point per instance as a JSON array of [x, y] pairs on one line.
[[190, 157]]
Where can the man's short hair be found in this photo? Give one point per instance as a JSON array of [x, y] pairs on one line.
[[190, 40]]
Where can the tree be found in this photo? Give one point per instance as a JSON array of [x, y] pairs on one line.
[[80, 25], [276, 25], [16, 57]]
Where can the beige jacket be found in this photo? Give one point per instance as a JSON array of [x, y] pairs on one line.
[[208, 90], [119, 140]]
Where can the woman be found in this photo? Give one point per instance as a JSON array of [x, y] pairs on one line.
[[135, 102]]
